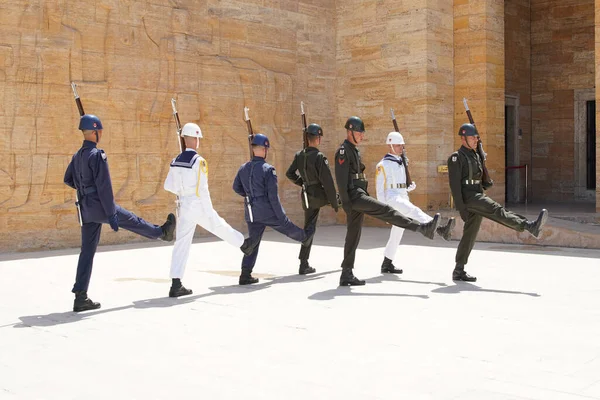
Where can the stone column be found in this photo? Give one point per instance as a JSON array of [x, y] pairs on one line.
[[479, 76], [398, 54]]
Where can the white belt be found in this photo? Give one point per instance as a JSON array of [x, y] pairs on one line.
[[396, 192], [188, 194], [472, 182]]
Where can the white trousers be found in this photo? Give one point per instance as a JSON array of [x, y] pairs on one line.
[[191, 213], [405, 207]]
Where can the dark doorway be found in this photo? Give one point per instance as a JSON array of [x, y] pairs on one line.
[[511, 145], [591, 145]]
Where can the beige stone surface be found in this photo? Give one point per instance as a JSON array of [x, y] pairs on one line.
[[562, 62], [479, 76], [398, 54], [517, 39], [129, 58], [342, 58]]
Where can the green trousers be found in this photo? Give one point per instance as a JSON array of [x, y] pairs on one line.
[[478, 207]]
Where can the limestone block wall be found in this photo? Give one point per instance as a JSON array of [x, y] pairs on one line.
[[517, 38], [479, 76], [563, 63], [129, 58], [398, 54]]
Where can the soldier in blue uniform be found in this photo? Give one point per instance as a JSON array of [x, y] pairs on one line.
[[256, 181], [88, 174]]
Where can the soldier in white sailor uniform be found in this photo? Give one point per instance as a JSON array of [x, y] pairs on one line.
[[392, 189], [188, 179]]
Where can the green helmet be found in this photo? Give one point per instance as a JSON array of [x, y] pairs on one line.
[[355, 124], [314, 130], [468, 130]]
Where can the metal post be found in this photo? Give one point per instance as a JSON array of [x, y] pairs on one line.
[[526, 185]]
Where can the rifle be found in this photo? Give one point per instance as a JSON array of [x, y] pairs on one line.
[[403, 155], [486, 180], [180, 140], [304, 138], [81, 114], [250, 131], [305, 145], [250, 137]]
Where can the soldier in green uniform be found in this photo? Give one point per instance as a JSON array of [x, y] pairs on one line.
[[465, 170], [310, 170], [356, 201]]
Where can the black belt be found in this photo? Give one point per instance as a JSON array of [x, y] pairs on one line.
[[311, 183], [472, 182], [88, 190], [358, 176], [258, 197]]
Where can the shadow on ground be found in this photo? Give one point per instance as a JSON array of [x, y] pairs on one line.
[[469, 287]]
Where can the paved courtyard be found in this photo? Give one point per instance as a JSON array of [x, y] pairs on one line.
[[528, 329]]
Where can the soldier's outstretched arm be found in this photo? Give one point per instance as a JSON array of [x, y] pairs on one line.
[[342, 171], [271, 184], [454, 177], [327, 180], [291, 173], [69, 181], [103, 183]]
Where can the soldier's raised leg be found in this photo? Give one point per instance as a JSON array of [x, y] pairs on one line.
[[386, 213], [135, 224]]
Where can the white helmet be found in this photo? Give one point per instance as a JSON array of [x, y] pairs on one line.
[[394, 138], [191, 129]]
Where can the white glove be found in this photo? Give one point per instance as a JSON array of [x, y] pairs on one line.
[[411, 187]]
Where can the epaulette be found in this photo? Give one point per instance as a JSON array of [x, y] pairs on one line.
[[185, 160], [453, 157]]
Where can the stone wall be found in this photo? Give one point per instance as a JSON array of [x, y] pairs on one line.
[[562, 59], [517, 38], [479, 76], [398, 54], [129, 58]]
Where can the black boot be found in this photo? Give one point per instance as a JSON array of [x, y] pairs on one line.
[[428, 229], [177, 289], [387, 267], [459, 274], [246, 278], [446, 231], [248, 247], [305, 268], [168, 228], [84, 303], [348, 279], [535, 227]]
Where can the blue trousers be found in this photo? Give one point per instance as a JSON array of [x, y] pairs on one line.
[[90, 236], [256, 230]]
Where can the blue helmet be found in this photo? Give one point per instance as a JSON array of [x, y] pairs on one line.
[[260, 140], [89, 122]]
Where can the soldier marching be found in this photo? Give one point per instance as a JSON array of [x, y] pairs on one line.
[[256, 182]]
